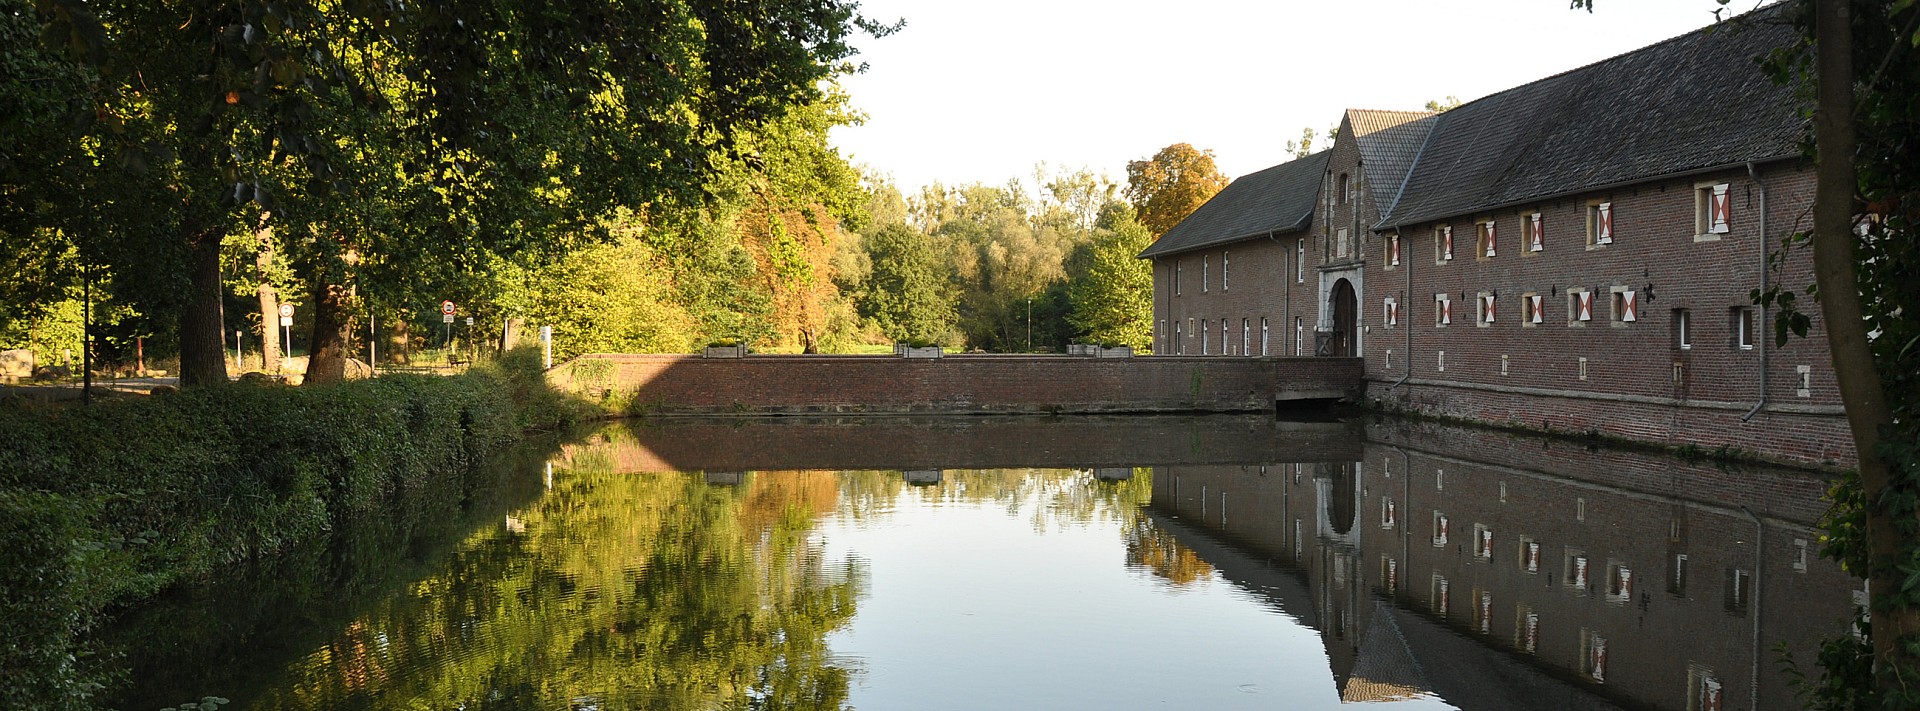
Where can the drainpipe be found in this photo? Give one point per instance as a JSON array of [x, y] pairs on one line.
[[1759, 564], [1760, 325], [1408, 265]]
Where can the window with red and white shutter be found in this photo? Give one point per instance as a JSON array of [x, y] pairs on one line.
[[1392, 310], [1629, 306], [1536, 233], [1486, 308], [1489, 236], [1443, 309], [1393, 250], [1537, 308], [1604, 233], [1583, 305]]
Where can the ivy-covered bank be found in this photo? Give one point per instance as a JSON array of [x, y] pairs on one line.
[[106, 506]]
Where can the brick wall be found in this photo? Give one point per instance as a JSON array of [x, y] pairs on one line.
[[965, 384], [1261, 284]]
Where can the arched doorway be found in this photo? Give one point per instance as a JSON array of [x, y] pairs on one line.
[[1346, 320]]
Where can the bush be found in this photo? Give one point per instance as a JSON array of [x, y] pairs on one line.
[[110, 504]]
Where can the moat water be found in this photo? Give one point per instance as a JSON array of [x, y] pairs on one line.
[[1033, 563]]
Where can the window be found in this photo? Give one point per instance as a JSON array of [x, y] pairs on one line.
[[1529, 555], [1442, 309], [1341, 190], [1443, 244], [1738, 582], [1528, 632], [1179, 346], [1579, 306], [1806, 381], [1677, 574], [1390, 572], [1439, 529], [1682, 329], [1263, 335], [1162, 332], [1300, 260], [1536, 309], [1226, 347], [1440, 361], [1246, 337], [1483, 542], [1593, 652], [1393, 250], [1619, 583], [1743, 328], [1575, 574], [1712, 211], [1485, 612], [1203, 274], [1704, 690], [1626, 305], [1536, 233], [1489, 238], [1389, 514], [1223, 270], [1486, 307], [1299, 335], [1599, 224], [1390, 310], [1205, 345], [1176, 277], [1442, 599]]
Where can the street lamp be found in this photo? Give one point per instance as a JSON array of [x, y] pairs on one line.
[[1029, 324]]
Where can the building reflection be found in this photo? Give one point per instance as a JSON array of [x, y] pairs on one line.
[[1502, 573]]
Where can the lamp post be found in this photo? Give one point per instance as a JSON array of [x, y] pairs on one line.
[[1029, 324]]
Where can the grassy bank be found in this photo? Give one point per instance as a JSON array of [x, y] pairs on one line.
[[108, 505]]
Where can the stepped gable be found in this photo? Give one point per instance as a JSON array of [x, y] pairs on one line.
[[1277, 200], [1388, 142], [1694, 102]]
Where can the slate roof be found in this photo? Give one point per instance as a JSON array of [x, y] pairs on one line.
[[1388, 142], [1276, 200], [1693, 102]]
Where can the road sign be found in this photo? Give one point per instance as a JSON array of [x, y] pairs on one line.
[[446, 308], [286, 311], [469, 320], [286, 321], [446, 318]]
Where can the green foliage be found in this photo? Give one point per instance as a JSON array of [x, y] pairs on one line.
[[115, 502], [907, 290], [1113, 296]]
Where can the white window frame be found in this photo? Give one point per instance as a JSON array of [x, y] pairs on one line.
[[1683, 329], [1223, 270], [1487, 239], [1443, 244], [1745, 327], [1708, 223], [1599, 224], [1485, 308], [1442, 310], [1390, 311]]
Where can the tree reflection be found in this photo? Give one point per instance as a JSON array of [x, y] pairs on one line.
[[613, 591]]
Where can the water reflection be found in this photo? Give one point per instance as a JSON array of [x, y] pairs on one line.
[[1503, 573], [1200, 562]]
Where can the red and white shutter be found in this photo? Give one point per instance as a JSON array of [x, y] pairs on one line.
[[1446, 242], [1442, 533], [1446, 597], [1486, 543], [1721, 205], [1580, 571], [1585, 301], [1533, 632], [1536, 233], [1537, 308], [1393, 250], [1486, 308], [1533, 557], [1393, 312], [1599, 661], [1629, 306], [1486, 612], [1625, 583], [1492, 237], [1393, 574], [1710, 694], [1606, 224], [1446, 311]]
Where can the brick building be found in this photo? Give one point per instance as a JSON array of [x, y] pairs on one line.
[[1574, 254]]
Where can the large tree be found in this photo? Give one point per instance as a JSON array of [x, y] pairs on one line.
[[1172, 184], [1112, 294]]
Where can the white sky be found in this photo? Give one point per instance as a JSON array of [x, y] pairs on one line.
[[981, 90]]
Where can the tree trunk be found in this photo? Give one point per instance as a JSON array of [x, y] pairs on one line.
[[203, 357], [269, 298], [1834, 271], [332, 332]]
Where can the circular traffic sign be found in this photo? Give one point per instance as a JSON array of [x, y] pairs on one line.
[[286, 310], [446, 307]]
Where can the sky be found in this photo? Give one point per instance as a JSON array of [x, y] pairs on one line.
[[983, 90]]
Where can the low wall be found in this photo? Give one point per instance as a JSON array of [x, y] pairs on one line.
[[777, 384], [1788, 433]]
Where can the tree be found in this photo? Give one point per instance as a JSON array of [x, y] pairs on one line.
[[907, 291], [1172, 184], [1112, 296], [1439, 106], [1303, 147]]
